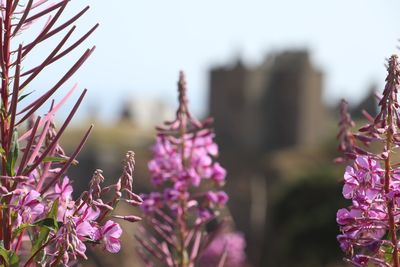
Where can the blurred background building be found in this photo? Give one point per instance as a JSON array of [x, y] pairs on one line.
[[272, 106], [259, 113]]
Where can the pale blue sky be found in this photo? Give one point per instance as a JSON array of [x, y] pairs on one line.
[[141, 45]]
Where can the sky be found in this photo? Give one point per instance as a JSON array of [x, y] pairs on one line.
[[141, 45]]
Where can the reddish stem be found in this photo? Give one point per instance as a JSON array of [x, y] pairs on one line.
[[390, 206], [5, 126], [388, 169], [182, 117]]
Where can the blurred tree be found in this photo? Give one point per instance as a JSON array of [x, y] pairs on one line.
[[303, 219]]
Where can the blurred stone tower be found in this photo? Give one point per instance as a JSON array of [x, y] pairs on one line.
[[258, 111], [272, 106]]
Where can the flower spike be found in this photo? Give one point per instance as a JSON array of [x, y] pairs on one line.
[[370, 226]]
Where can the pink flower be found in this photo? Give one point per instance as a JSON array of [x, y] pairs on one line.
[[233, 244], [364, 181], [171, 195], [218, 198], [29, 207], [219, 174], [85, 230], [64, 189], [369, 226], [151, 201], [89, 213], [187, 178], [203, 215], [111, 232], [64, 210]]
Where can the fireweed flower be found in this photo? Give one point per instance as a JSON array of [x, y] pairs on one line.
[[110, 233], [41, 223], [188, 180], [228, 245], [29, 207], [369, 226], [64, 189]]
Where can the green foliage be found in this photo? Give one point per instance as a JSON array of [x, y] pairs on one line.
[[10, 258], [13, 154], [304, 220], [46, 226], [21, 228], [54, 159]]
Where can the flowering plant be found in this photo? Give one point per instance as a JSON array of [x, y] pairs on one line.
[[370, 226], [41, 223], [230, 246], [188, 180]]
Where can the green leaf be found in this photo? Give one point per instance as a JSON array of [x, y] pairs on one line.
[[14, 260], [43, 234], [47, 222], [4, 255], [47, 225], [23, 96], [387, 252], [54, 211], [54, 159], [20, 228], [10, 258], [13, 154]]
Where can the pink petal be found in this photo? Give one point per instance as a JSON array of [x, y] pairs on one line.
[[113, 245], [362, 162], [85, 229], [348, 191]]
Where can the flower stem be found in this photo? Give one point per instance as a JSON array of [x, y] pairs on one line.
[[392, 226], [5, 131], [390, 202], [182, 116]]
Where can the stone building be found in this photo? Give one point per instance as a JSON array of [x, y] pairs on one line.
[[261, 112], [275, 105]]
